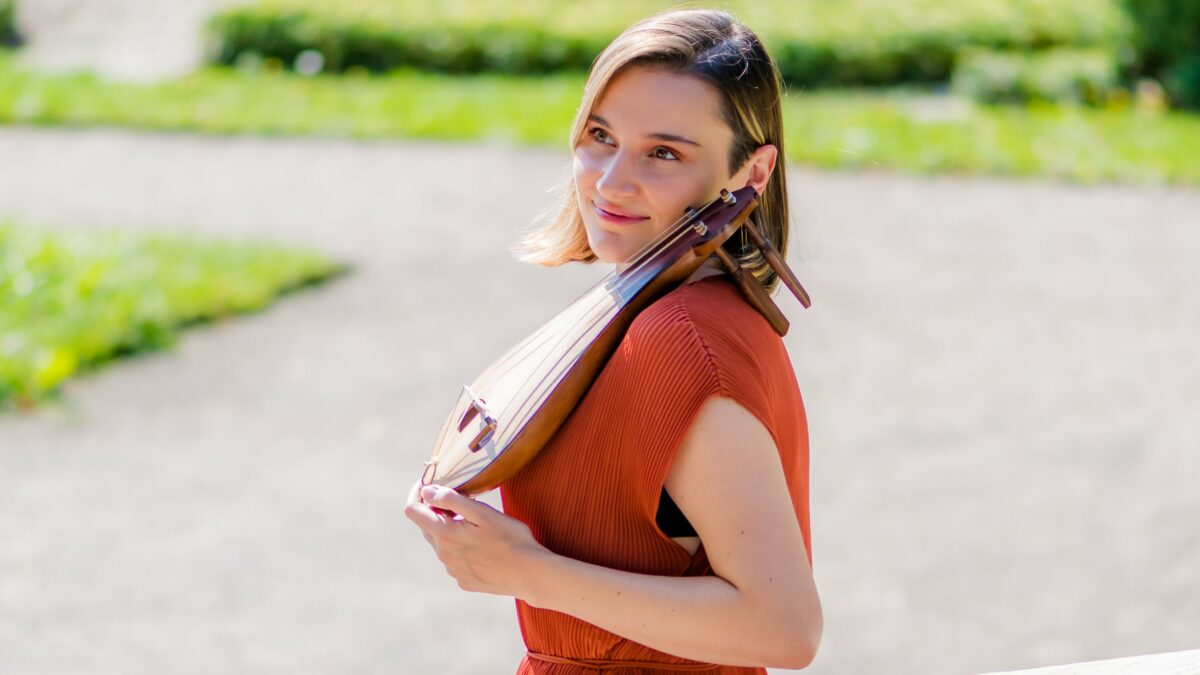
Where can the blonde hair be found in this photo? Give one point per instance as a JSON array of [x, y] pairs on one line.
[[715, 48]]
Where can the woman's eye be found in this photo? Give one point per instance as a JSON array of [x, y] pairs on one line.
[[600, 135], [664, 153]]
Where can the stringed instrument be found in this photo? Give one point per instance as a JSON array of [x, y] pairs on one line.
[[503, 418]]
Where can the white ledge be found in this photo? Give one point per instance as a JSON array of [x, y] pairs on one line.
[[1172, 663]]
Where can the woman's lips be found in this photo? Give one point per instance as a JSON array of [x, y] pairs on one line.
[[617, 218]]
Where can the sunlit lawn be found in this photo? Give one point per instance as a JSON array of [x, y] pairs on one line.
[[70, 301]]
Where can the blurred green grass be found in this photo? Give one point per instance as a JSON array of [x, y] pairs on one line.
[[926, 134], [225, 101], [903, 130], [70, 301]]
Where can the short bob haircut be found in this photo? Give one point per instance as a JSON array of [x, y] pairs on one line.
[[715, 48]]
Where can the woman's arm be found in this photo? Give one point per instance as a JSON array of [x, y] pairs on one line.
[[761, 608]]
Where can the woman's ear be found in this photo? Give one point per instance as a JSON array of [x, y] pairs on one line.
[[759, 167]]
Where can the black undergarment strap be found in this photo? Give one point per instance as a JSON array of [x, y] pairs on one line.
[[671, 520]]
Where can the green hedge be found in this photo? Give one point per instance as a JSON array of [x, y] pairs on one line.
[[242, 35], [70, 301], [1167, 35], [1062, 75], [817, 43], [8, 24]]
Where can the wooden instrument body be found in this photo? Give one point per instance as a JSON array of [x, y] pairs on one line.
[[511, 411]]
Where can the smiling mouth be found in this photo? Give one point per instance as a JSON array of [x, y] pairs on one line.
[[616, 217]]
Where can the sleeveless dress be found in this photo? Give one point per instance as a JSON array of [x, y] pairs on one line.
[[592, 493]]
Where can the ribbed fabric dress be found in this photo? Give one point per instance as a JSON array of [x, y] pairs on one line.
[[592, 493]]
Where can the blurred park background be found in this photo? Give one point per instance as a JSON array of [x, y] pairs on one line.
[[249, 251]]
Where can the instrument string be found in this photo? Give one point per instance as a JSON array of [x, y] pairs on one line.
[[524, 409], [673, 233], [595, 313], [642, 259]]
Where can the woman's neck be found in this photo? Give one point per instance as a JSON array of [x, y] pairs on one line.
[[710, 268]]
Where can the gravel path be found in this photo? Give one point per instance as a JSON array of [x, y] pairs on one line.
[[1001, 379]]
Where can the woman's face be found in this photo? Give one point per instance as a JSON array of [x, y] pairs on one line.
[[655, 145]]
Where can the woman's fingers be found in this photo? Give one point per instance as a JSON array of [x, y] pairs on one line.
[[480, 546], [414, 494], [419, 512], [445, 499]]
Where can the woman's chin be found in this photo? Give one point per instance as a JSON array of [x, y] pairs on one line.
[[607, 250]]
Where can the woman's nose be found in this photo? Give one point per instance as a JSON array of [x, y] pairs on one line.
[[617, 177]]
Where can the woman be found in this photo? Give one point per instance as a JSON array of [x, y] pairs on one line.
[[665, 526]]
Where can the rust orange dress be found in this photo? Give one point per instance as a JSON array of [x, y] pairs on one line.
[[592, 493]]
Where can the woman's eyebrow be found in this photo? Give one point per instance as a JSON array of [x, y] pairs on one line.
[[661, 136]]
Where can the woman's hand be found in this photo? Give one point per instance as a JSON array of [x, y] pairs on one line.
[[483, 549]]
